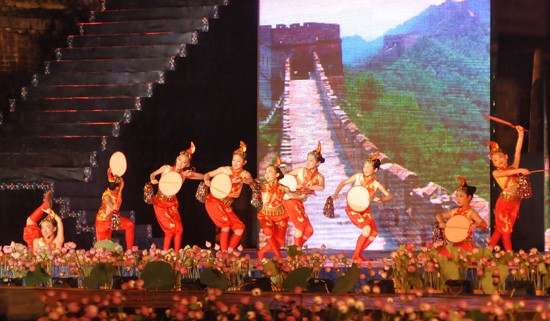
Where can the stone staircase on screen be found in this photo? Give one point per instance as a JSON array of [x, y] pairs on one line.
[[66, 123]]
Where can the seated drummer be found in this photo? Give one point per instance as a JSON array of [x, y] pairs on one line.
[[463, 197]]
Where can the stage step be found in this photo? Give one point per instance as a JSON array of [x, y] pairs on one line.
[[145, 26], [80, 103], [130, 4], [41, 144], [136, 14], [100, 90], [156, 38], [52, 117], [64, 129], [117, 65], [98, 78], [48, 159], [118, 52], [17, 173]]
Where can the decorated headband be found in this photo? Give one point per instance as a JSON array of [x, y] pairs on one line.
[[241, 150], [48, 219], [318, 149], [372, 158], [494, 148], [468, 189], [190, 151], [463, 184], [275, 161]]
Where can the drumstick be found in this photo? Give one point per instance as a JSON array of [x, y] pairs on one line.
[[502, 121], [539, 171]]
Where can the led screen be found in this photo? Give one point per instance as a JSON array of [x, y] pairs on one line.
[[408, 78]]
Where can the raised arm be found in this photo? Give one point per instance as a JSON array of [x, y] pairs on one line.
[[60, 236], [519, 145]]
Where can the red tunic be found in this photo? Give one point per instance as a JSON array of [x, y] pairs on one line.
[[295, 208], [273, 217], [364, 218], [220, 211]]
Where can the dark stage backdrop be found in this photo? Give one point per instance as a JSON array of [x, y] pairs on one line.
[[409, 78]]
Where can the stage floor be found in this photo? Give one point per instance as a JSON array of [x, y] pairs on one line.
[[23, 303]]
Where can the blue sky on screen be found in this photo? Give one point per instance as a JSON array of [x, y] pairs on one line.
[[368, 19]]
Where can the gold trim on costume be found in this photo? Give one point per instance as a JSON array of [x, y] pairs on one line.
[[273, 212], [510, 197], [163, 197]]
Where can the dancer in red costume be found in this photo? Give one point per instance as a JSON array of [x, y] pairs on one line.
[[220, 210], [364, 219], [166, 207], [108, 216], [464, 195], [49, 233], [507, 205], [308, 180], [273, 217]]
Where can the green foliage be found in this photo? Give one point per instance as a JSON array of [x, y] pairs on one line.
[[271, 268], [297, 277], [109, 246], [100, 276], [37, 277], [346, 283], [214, 279], [158, 275], [449, 269]]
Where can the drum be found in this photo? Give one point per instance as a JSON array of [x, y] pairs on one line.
[[170, 183], [457, 228], [118, 164], [290, 182], [220, 186], [358, 198]]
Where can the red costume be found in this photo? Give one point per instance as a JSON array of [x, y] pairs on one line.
[[33, 231], [168, 217], [506, 211], [295, 207], [273, 218], [364, 218], [104, 217], [221, 212], [467, 244]]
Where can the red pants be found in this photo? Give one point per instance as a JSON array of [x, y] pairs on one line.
[[506, 213], [222, 214], [297, 215], [169, 220], [362, 219], [104, 232]]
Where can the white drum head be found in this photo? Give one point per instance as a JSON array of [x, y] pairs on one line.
[[358, 198], [170, 183], [220, 186], [118, 164], [457, 228], [290, 182]]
